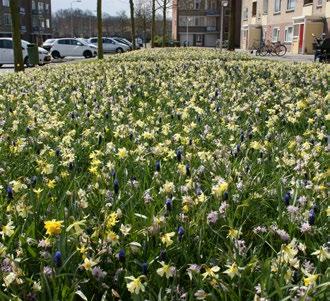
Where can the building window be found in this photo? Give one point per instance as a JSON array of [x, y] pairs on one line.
[[291, 5], [288, 34], [308, 2], [199, 21], [5, 3], [6, 19], [42, 23], [34, 5], [47, 23], [277, 6], [47, 7], [245, 13], [197, 4], [40, 6], [265, 6], [276, 34], [254, 9], [319, 2]]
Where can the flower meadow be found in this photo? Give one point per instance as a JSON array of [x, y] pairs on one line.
[[177, 174]]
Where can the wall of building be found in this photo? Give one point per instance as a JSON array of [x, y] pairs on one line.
[[267, 21], [35, 20], [203, 18]]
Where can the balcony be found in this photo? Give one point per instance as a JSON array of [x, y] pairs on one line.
[[212, 12], [211, 28]]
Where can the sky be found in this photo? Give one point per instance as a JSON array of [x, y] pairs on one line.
[[109, 6]]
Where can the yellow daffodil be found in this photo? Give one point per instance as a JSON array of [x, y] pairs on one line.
[[211, 272], [53, 227], [167, 238], [135, 285], [232, 270], [166, 270], [322, 254]]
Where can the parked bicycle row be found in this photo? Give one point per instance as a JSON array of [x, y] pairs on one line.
[[321, 47]]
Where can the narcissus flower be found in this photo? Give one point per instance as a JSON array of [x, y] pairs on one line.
[[211, 272], [135, 285], [53, 227], [166, 270], [322, 254], [167, 238], [232, 270], [219, 189]]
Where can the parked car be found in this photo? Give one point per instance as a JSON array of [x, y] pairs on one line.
[[72, 47], [110, 45], [123, 41], [48, 44], [7, 53]]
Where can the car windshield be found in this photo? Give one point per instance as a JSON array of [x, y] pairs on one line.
[[25, 43], [49, 41], [82, 41]]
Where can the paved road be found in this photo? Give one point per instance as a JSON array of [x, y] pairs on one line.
[[287, 58]]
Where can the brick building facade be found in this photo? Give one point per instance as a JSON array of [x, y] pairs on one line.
[[35, 20], [290, 21], [198, 22]]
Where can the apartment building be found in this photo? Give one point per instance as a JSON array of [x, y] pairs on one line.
[[290, 21], [198, 22], [35, 20]]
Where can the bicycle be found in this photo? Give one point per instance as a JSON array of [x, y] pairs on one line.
[[273, 48]]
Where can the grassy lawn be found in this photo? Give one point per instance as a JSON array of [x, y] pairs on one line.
[[178, 174]]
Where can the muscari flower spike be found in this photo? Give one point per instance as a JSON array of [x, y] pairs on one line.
[[157, 166], [287, 198], [116, 186], [10, 192], [311, 217], [121, 255], [180, 232], [144, 268], [169, 204], [58, 258]]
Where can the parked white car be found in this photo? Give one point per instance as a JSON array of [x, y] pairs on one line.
[[48, 44], [7, 53], [110, 45], [72, 47]]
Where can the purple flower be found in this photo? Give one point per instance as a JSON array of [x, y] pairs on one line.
[[58, 258], [10, 192], [144, 268], [180, 232], [188, 170], [116, 186], [168, 204], [212, 217], [157, 167], [179, 155], [121, 255], [98, 273], [287, 198], [311, 217]]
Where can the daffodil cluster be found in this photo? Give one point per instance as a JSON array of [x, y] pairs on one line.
[[180, 174]]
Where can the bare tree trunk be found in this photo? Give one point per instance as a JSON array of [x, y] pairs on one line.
[[131, 6], [153, 23], [17, 44], [99, 30], [232, 26], [164, 23]]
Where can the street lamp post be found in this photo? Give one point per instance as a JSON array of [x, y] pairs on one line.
[[224, 3], [188, 20], [75, 1]]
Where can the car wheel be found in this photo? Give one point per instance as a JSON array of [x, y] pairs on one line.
[[0, 65], [119, 50], [56, 54], [88, 54], [27, 63]]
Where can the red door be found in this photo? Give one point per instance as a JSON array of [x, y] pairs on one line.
[[301, 38]]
